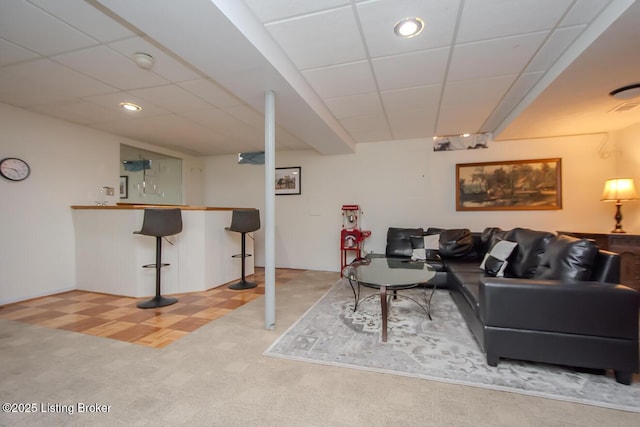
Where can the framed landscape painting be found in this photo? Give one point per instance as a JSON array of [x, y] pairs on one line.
[[509, 185]]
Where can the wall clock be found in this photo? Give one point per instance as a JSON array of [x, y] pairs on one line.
[[14, 169]]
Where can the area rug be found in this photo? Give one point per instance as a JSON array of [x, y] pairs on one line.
[[440, 350]]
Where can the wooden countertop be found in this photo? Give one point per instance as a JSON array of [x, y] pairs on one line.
[[131, 207]]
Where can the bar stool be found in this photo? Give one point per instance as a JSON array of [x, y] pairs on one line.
[[244, 221], [159, 223]]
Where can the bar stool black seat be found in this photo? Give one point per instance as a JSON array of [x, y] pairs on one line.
[[159, 223], [244, 221]]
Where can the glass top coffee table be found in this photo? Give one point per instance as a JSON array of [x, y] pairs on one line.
[[390, 274]]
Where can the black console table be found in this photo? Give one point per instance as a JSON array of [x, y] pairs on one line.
[[626, 245]]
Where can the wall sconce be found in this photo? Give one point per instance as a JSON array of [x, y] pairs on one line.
[[618, 190]]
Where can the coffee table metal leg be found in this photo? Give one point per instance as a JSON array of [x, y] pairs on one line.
[[383, 307], [356, 293], [427, 299]]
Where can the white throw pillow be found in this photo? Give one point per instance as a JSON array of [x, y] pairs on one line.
[[495, 261], [419, 254], [432, 242]]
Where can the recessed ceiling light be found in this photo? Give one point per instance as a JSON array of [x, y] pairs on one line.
[[626, 92], [408, 27], [130, 106]]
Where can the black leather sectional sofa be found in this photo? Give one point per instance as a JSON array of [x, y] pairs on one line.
[[558, 302]]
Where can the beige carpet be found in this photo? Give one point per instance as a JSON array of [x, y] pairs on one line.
[[217, 376]]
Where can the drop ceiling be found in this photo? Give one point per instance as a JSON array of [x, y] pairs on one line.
[[516, 68]]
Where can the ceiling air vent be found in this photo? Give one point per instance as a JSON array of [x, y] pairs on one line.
[[625, 107]]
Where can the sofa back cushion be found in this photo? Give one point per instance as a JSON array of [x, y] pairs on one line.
[[455, 242], [567, 258], [490, 236], [528, 254], [402, 241]]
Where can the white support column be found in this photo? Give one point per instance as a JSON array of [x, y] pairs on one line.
[[270, 211]]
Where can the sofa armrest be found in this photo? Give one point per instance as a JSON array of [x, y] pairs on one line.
[[577, 307]]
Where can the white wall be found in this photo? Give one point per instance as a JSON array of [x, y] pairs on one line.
[[627, 141], [405, 183], [69, 164], [398, 183]]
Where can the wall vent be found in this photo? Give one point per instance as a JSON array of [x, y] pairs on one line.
[[624, 107]]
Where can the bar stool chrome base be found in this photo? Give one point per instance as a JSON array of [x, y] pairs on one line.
[[157, 301], [242, 284]]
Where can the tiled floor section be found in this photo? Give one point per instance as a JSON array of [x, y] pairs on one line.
[[118, 317]]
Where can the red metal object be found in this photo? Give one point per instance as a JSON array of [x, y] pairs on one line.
[[351, 237]]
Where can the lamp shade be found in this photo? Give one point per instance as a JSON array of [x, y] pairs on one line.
[[616, 190]]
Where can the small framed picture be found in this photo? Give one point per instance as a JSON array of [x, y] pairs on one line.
[[124, 187], [288, 180]]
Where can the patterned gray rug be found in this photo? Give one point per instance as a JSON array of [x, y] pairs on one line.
[[440, 350]]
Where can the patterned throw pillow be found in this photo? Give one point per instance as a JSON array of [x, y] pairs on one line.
[[495, 261], [431, 247]]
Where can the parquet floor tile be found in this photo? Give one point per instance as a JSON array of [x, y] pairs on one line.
[[117, 317]]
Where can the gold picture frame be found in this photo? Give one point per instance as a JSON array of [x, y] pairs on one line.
[[509, 185]]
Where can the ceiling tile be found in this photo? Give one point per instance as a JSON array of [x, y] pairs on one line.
[[272, 10], [24, 92], [584, 11], [110, 67], [78, 111], [516, 93], [377, 25], [524, 16], [413, 123], [355, 105], [48, 80], [11, 53], [367, 128], [341, 80], [467, 104], [285, 140], [214, 118], [18, 19], [413, 69], [506, 55], [166, 130], [86, 18], [247, 116], [414, 98], [210, 92], [165, 65], [309, 41], [172, 98], [232, 128], [554, 47]]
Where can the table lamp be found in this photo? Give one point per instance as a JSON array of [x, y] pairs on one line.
[[618, 190]]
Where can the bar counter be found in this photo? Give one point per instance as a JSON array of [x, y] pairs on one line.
[[109, 257]]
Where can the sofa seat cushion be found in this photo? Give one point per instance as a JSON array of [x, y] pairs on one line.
[[464, 277], [437, 264], [567, 258]]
